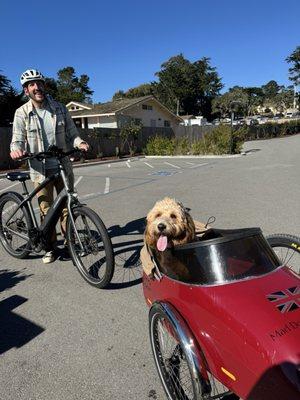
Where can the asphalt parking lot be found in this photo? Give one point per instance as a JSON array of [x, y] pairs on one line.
[[61, 339]]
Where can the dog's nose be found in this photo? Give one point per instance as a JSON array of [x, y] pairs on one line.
[[161, 227]]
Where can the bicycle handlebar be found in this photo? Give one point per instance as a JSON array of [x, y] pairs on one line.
[[53, 151]]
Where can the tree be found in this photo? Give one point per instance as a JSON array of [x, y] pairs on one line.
[[188, 87], [294, 70], [235, 99], [70, 87], [284, 99], [51, 87], [10, 100], [183, 87], [270, 89], [146, 89]]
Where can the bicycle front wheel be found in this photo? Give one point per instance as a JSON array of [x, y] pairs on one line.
[[287, 249], [90, 247], [15, 224]]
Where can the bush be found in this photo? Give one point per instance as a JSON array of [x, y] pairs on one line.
[[272, 130], [218, 141], [160, 146]]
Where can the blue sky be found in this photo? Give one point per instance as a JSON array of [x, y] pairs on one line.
[[121, 44]]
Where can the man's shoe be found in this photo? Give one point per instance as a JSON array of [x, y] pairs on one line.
[[49, 257]]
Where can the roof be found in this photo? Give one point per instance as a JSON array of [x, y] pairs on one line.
[[187, 116], [113, 107], [85, 105]]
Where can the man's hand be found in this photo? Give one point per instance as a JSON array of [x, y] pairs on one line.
[[16, 154], [83, 146]]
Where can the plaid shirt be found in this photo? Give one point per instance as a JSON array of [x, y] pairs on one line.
[[27, 135]]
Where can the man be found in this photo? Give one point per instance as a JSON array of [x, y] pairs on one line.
[[38, 124]]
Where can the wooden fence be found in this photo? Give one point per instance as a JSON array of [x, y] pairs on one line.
[[105, 142]]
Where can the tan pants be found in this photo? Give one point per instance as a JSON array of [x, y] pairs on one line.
[[45, 199]]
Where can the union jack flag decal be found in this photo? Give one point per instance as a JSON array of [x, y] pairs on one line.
[[286, 300]]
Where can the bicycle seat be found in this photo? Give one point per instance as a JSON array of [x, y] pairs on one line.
[[18, 176]]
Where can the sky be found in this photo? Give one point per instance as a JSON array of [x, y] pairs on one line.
[[122, 44]]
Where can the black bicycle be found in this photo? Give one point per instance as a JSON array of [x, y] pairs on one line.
[[287, 249], [88, 241]]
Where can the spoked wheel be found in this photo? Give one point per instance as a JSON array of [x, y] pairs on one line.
[[93, 253], [287, 249], [174, 365], [14, 226]]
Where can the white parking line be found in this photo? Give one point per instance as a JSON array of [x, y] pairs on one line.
[[108, 166], [128, 165], [107, 183], [172, 165], [190, 163], [199, 165], [149, 165], [8, 187], [78, 180]]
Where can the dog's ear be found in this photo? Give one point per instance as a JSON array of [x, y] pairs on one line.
[[148, 239], [191, 230]]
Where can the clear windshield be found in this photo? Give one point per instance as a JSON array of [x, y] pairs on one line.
[[227, 258]]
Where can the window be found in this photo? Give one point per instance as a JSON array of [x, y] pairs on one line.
[[146, 107], [167, 124]]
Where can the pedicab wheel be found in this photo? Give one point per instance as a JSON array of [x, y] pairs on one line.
[[175, 367], [287, 249], [15, 225], [95, 259]]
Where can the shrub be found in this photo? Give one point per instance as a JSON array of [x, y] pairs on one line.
[[160, 146], [219, 141]]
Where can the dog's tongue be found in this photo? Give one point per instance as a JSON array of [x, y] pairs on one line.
[[162, 243]]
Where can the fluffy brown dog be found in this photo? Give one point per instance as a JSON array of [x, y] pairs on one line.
[[169, 224]]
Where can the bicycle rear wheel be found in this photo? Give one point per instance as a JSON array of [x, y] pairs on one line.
[[95, 259], [14, 225], [287, 249]]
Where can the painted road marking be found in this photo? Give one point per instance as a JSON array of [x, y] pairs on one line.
[[107, 184], [78, 180], [199, 165], [8, 187], [149, 165], [190, 163], [172, 165], [128, 165]]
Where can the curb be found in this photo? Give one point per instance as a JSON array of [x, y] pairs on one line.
[[132, 159], [86, 164], [204, 156]]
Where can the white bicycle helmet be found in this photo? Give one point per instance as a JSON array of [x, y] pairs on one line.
[[31, 75]]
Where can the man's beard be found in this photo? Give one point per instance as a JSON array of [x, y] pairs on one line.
[[41, 93]]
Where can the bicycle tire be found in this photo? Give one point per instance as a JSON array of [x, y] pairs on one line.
[[22, 224], [287, 249], [97, 245]]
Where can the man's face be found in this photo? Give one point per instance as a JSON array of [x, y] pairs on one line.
[[35, 90]]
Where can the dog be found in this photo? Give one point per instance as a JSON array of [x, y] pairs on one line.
[[169, 224]]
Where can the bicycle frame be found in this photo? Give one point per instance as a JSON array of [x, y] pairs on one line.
[[67, 195]]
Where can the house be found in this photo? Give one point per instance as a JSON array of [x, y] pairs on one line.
[[189, 120], [146, 110]]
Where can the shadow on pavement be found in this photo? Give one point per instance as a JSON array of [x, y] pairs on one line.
[[128, 269], [9, 279], [15, 331]]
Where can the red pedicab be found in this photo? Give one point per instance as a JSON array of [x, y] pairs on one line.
[[232, 329]]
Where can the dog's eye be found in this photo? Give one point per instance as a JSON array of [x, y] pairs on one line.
[[158, 215], [173, 216]]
